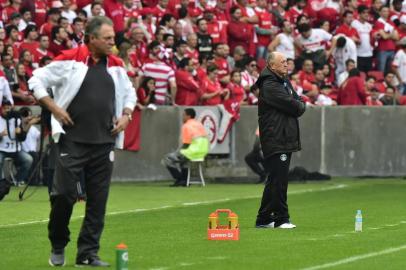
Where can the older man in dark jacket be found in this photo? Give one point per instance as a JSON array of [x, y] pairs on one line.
[[278, 109]]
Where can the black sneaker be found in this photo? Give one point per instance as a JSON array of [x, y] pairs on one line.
[[92, 262], [57, 258]]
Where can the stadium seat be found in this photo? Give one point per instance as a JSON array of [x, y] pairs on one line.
[[191, 166], [378, 75]]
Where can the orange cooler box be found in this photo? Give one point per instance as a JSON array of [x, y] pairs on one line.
[[223, 232]]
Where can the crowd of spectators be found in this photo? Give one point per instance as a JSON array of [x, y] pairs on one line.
[[205, 52]]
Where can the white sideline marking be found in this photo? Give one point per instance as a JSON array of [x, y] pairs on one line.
[[340, 186], [356, 258]]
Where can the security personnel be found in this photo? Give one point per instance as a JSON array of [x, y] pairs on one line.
[[278, 109], [195, 145]]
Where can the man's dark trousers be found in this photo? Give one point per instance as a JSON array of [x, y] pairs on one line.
[[72, 159], [274, 206]]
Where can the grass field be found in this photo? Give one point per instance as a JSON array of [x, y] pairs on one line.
[[166, 228]]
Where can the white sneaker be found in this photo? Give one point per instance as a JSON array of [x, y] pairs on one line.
[[287, 226], [265, 226]]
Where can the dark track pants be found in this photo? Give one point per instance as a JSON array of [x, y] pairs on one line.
[[72, 160], [274, 205]]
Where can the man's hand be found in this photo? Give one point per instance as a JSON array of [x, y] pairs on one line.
[[120, 125], [63, 116], [4, 133]]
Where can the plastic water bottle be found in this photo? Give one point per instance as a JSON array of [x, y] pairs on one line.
[[358, 221]]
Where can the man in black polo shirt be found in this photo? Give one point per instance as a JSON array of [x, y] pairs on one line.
[[92, 105]]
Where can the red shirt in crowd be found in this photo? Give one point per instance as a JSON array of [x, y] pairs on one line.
[[211, 87], [38, 54], [56, 47], [30, 46], [222, 65], [217, 34], [265, 21], [40, 15], [188, 88], [352, 92], [384, 44], [239, 33], [348, 31], [114, 10]]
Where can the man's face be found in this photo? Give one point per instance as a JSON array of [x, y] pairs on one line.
[[104, 41], [226, 50], [7, 61], [62, 35], [308, 66], [2, 34], [96, 10], [191, 66], [251, 67], [182, 49], [237, 14], [307, 34], [137, 34], [365, 15], [262, 3], [44, 42], [350, 66], [384, 13], [64, 23], [33, 35], [170, 41], [192, 40], [348, 19], [66, 3], [185, 117], [27, 16], [78, 27], [370, 83], [203, 26], [389, 78], [319, 75], [5, 109], [219, 51], [280, 65], [14, 34], [287, 27]]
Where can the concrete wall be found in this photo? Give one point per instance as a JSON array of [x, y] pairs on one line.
[[340, 141]]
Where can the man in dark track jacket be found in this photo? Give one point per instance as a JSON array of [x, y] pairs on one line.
[[278, 109]]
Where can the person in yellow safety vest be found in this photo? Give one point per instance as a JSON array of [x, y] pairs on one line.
[[255, 159], [194, 145]]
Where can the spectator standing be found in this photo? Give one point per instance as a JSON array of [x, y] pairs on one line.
[[221, 63], [312, 43], [399, 66], [364, 49], [42, 50], [162, 74], [263, 29], [60, 40], [78, 35], [30, 42], [188, 87], [212, 92], [349, 64], [204, 40], [191, 50], [347, 29], [386, 34], [343, 49], [239, 32], [352, 92], [115, 11], [30, 144], [67, 12], [53, 16], [284, 42]]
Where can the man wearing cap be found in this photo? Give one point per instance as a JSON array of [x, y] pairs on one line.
[[92, 104], [399, 65], [278, 109]]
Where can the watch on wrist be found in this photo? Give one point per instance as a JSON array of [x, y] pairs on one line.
[[130, 117]]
